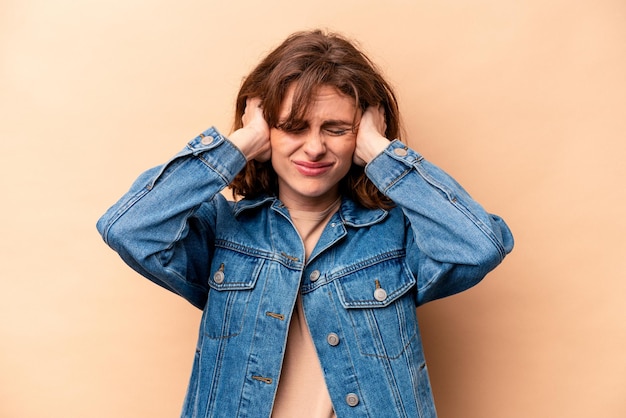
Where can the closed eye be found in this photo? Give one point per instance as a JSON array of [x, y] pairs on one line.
[[293, 127], [338, 132], [337, 128]]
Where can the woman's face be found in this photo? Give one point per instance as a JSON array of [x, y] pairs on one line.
[[311, 156]]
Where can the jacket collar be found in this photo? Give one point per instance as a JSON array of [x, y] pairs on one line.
[[350, 212], [245, 205]]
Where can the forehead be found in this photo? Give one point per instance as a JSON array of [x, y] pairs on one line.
[[324, 101]]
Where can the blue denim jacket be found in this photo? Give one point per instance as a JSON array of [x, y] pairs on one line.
[[244, 264]]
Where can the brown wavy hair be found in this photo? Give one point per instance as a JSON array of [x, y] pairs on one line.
[[314, 59]]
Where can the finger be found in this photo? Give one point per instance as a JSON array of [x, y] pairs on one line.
[[383, 118], [253, 102]]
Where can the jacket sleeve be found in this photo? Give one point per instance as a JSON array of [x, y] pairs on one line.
[[454, 242], [163, 226]]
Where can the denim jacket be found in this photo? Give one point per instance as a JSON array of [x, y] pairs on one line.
[[244, 264]]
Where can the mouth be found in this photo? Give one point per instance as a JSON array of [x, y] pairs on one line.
[[312, 169]]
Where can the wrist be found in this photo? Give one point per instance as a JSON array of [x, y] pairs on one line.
[[246, 139], [373, 147]]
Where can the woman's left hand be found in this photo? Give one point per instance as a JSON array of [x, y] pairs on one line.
[[370, 139]]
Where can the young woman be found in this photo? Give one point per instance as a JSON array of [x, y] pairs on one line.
[[310, 280]]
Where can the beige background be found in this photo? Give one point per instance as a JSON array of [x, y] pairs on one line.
[[524, 102]]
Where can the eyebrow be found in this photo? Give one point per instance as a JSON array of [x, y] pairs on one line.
[[325, 124], [337, 122]]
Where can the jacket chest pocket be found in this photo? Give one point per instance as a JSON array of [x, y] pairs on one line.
[[380, 307], [233, 278]]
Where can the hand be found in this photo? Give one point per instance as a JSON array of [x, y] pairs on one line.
[[370, 140], [253, 139]]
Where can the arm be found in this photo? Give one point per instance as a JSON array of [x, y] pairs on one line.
[[163, 227], [454, 241]]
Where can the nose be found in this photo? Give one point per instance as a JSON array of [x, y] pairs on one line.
[[314, 145]]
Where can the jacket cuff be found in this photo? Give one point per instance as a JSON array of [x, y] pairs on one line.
[[384, 170], [218, 152]]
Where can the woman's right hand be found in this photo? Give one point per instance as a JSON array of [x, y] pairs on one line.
[[253, 139]]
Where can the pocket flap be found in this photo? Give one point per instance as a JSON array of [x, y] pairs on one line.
[[232, 270], [375, 286]]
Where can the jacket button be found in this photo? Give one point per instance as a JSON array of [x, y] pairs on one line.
[[380, 294], [332, 339], [352, 399], [206, 140], [315, 274], [218, 277], [400, 152]]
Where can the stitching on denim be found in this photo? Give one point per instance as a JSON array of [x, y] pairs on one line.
[[348, 352], [232, 285], [121, 210], [393, 295], [452, 199], [380, 347], [377, 338], [243, 249], [232, 298], [378, 258]]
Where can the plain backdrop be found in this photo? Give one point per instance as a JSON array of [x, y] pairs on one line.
[[523, 102]]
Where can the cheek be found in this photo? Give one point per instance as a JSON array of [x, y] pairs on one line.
[[281, 143], [277, 146], [344, 152], [274, 138], [345, 149]]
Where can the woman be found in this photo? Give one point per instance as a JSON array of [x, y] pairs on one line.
[[309, 282]]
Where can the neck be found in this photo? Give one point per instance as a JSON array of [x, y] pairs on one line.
[[316, 214], [317, 204]]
